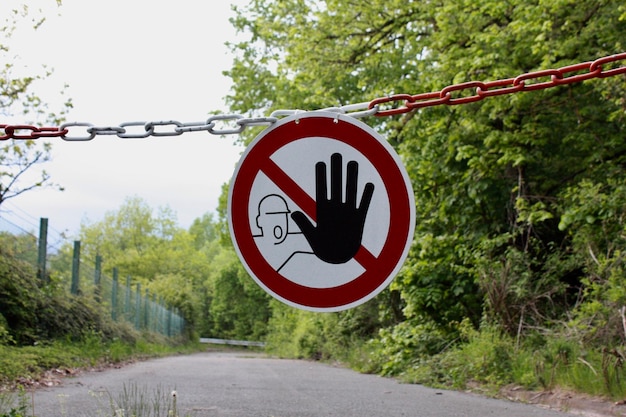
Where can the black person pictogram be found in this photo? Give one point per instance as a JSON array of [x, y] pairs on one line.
[[277, 241], [336, 236], [272, 218]]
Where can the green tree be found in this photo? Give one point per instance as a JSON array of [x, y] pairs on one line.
[[205, 235], [148, 246], [188, 269], [490, 177], [595, 218], [239, 308], [136, 240]]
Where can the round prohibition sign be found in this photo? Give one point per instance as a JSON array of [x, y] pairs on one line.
[[282, 175]]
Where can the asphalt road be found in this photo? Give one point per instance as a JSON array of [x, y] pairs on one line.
[[250, 385]]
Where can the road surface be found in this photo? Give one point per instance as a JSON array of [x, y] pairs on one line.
[[238, 384]]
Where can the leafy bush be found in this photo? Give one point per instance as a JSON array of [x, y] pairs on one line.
[[5, 336], [594, 216], [239, 308], [32, 314], [398, 349], [20, 296], [484, 357], [339, 336], [294, 333]]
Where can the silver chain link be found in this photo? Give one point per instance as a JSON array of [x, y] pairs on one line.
[[394, 104], [221, 124]]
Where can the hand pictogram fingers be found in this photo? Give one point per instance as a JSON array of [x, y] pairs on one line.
[[336, 178], [368, 192], [321, 184], [352, 183]]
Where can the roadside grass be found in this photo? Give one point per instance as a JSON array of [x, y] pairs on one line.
[[133, 400], [26, 365], [484, 360], [139, 401], [14, 404], [488, 361]]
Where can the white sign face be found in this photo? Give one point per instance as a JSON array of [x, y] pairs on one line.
[[321, 211]]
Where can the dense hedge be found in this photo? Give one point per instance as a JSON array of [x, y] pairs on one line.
[[31, 312]]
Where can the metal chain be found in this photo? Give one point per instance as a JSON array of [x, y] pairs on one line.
[[525, 82], [233, 124]]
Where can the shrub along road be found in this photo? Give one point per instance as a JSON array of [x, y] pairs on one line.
[[249, 384]]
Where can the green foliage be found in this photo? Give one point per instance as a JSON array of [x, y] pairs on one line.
[[296, 333], [14, 404], [595, 218], [525, 288], [22, 247], [480, 172], [516, 271], [488, 360], [137, 241], [5, 335], [520, 198], [177, 291], [187, 270], [32, 314], [563, 363], [20, 297], [192, 270], [19, 159], [239, 308], [138, 401], [483, 357], [17, 91], [401, 347], [31, 362], [328, 336], [436, 282], [151, 249]]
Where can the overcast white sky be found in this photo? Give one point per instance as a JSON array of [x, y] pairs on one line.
[[129, 60]]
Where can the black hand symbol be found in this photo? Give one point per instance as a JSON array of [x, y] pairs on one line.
[[337, 236]]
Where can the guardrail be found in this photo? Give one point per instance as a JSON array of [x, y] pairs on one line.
[[213, 341]]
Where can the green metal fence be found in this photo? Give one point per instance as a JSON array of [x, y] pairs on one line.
[[126, 301]]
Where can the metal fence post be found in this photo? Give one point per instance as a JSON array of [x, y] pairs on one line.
[[155, 314], [138, 307], [114, 296], [76, 268], [127, 299], [161, 315], [97, 277], [43, 250], [169, 323], [146, 311]]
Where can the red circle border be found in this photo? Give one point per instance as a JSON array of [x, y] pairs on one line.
[[369, 283]]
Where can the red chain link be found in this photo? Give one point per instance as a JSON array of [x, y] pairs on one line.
[[406, 103], [34, 132], [480, 90]]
